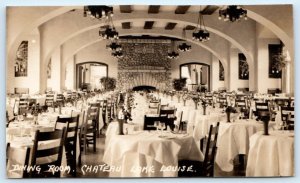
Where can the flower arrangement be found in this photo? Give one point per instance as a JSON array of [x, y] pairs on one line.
[[196, 99], [171, 93], [185, 97], [230, 109]]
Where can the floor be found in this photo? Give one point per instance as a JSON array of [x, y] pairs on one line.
[[92, 158]]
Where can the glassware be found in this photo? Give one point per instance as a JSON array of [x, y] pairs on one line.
[[156, 124], [163, 126]]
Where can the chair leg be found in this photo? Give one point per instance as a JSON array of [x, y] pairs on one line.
[[94, 141]]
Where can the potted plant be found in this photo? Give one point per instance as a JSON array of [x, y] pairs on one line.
[[179, 84], [108, 83]]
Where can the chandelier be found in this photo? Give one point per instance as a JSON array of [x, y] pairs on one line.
[[173, 54], [108, 32], [98, 12], [200, 33], [114, 46], [183, 47], [117, 54], [233, 13]]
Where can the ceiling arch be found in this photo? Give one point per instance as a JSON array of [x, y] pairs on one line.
[[124, 19], [139, 32], [253, 15]]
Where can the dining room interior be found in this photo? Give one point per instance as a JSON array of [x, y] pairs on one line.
[[127, 91]]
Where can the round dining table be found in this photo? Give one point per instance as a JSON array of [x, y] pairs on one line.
[[271, 155], [149, 153], [233, 139]]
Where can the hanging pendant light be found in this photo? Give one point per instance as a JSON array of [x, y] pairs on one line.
[[114, 46], [118, 54], [200, 33], [99, 12], [109, 31], [173, 54], [183, 47], [233, 13]]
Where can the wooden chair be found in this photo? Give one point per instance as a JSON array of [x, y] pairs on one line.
[[209, 98], [23, 106], [71, 123], [168, 116], [17, 156], [149, 121], [203, 168], [283, 102], [290, 123], [88, 131], [21, 90], [241, 103], [46, 156], [223, 101], [182, 124], [49, 100], [261, 106], [98, 106], [59, 100], [287, 114]]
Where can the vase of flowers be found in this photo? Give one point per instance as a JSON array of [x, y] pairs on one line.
[[228, 111], [204, 105], [185, 97], [171, 94], [121, 119], [265, 117], [196, 99]]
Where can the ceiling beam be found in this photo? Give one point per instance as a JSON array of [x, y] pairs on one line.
[[170, 26], [126, 25], [209, 9], [153, 9], [181, 9], [148, 24], [125, 9]]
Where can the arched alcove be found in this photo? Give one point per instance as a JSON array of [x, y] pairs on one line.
[[197, 74], [88, 74]]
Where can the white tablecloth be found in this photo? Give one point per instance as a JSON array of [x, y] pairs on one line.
[[20, 142], [233, 139], [271, 155], [147, 149]]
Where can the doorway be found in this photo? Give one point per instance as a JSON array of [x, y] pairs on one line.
[[88, 75]]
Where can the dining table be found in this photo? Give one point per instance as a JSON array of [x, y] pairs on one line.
[[149, 153], [234, 139], [271, 155]]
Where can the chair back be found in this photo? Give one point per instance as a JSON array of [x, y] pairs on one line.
[[222, 101], [49, 99], [23, 105], [167, 112], [211, 149], [287, 113], [17, 156], [149, 121], [21, 90], [209, 98], [71, 124], [47, 152], [59, 99], [283, 102], [154, 104]]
